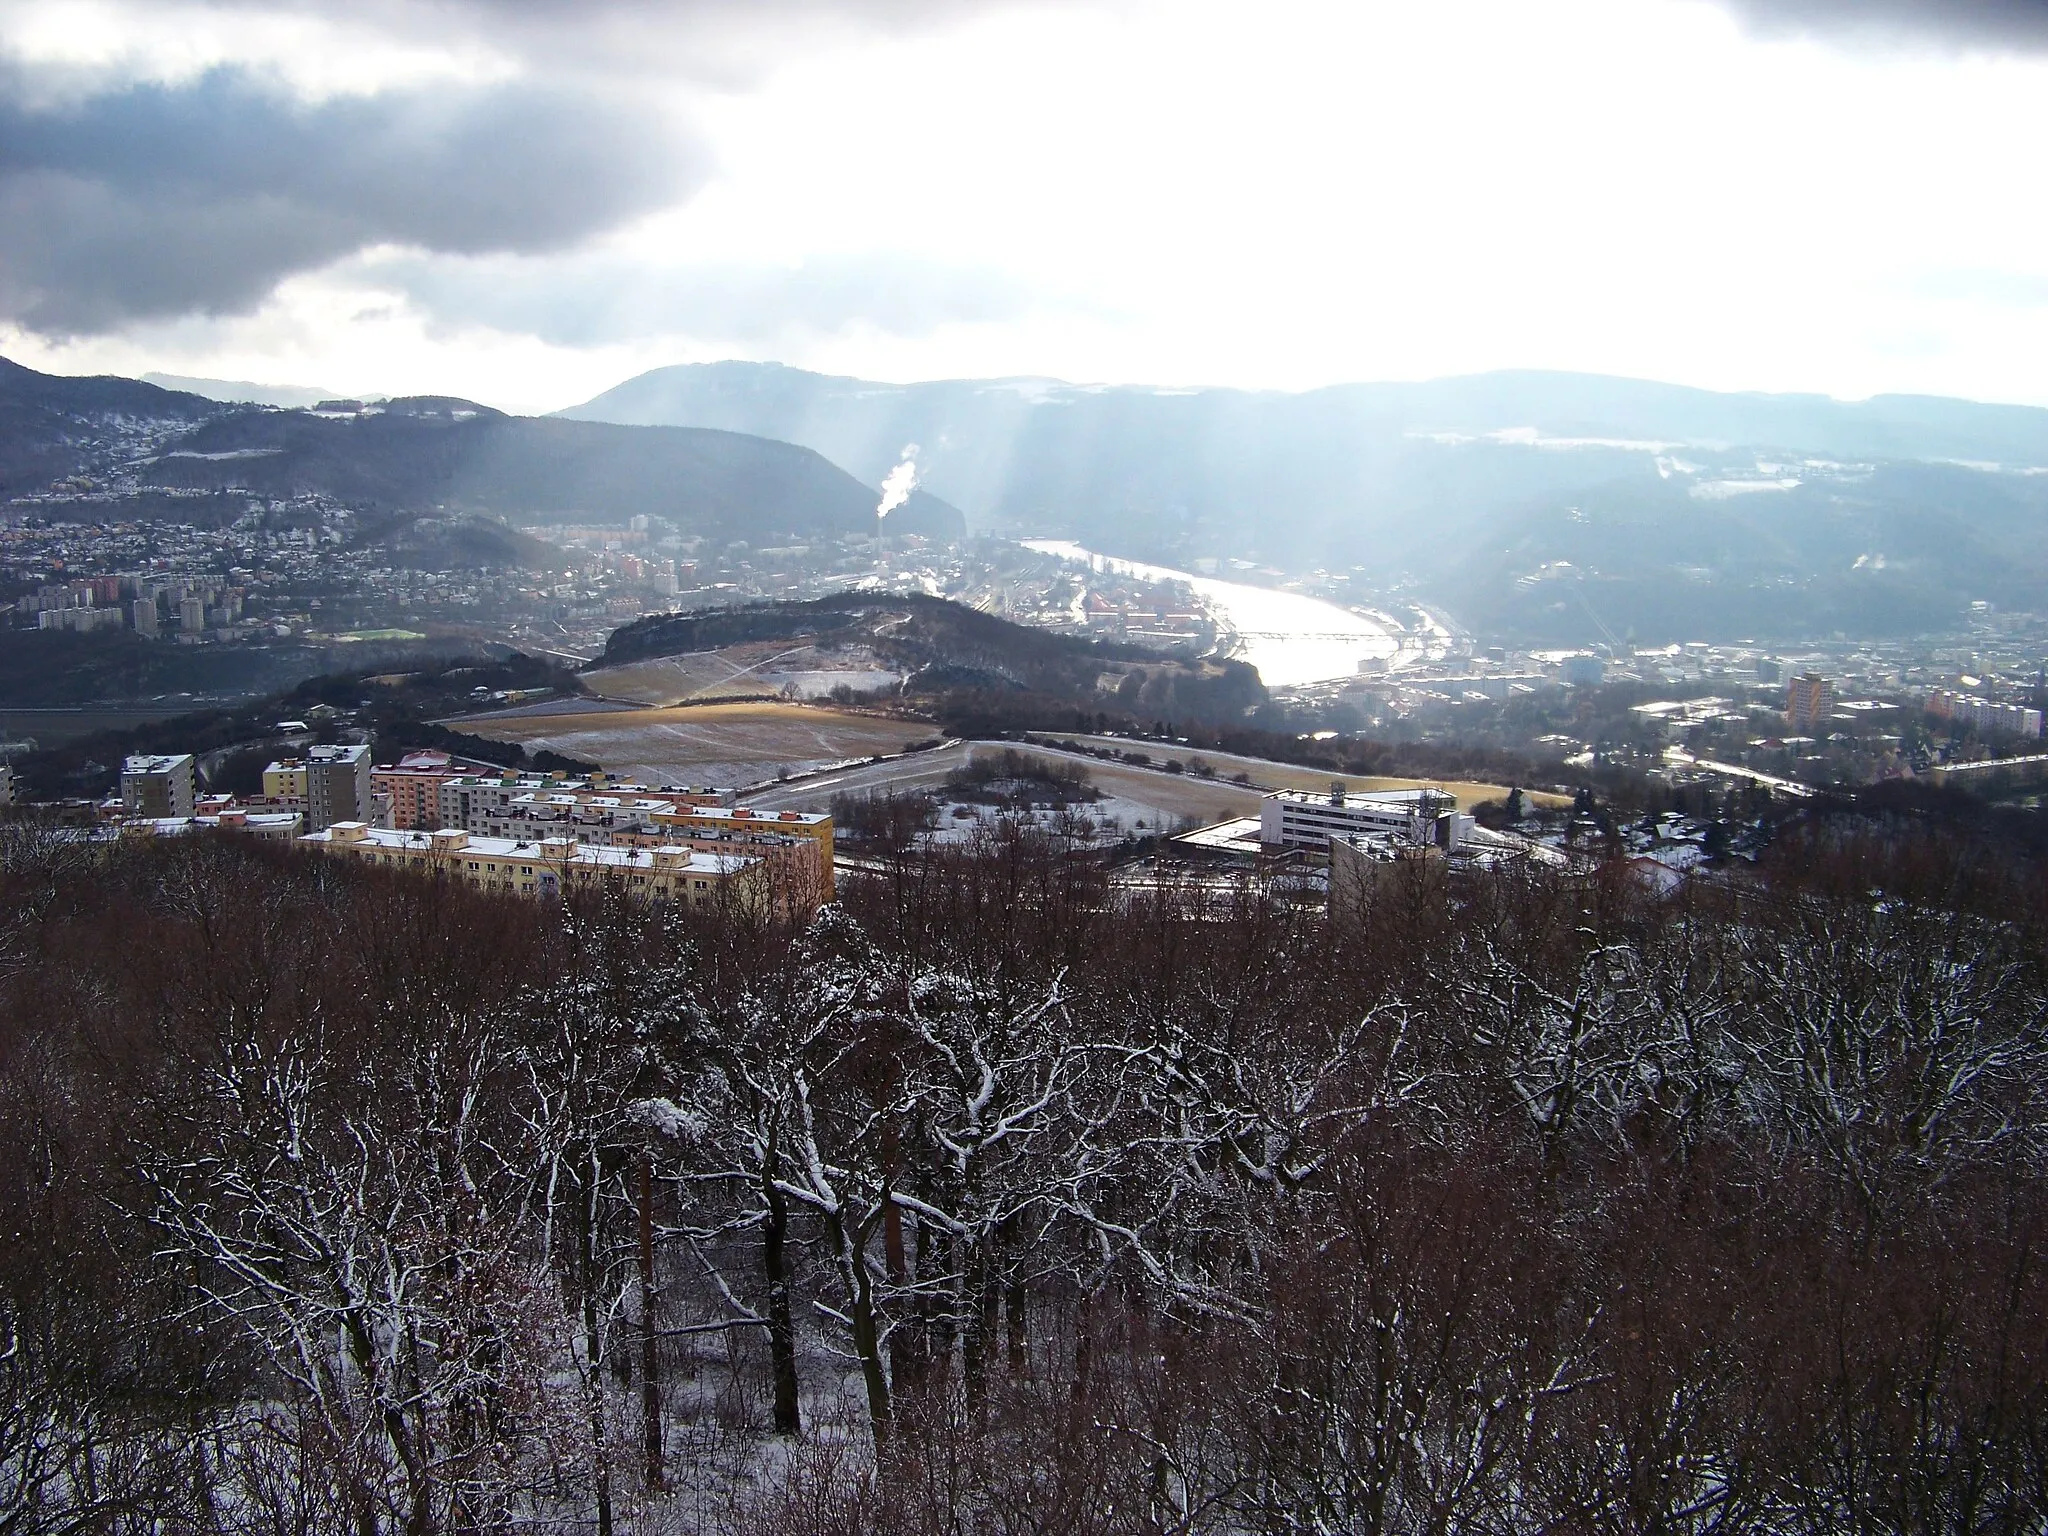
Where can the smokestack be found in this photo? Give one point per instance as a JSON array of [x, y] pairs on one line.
[[896, 489]]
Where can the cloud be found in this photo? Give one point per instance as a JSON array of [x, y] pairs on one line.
[[130, 191], [724, 41], [2002, 26], [595, 298], [149, 201]]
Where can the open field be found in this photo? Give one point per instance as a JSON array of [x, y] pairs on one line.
[[767, 666], [1267, 774], [745, 743], [722, 744], [1137, 791], [667, 680]]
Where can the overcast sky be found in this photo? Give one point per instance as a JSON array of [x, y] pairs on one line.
[[526, 201]]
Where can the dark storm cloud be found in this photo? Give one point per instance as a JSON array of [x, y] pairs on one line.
[[2015, 26], [153, 201]]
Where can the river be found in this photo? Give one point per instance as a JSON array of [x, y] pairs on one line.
[[1291, 639]]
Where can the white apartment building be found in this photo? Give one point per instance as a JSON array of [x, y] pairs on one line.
[[1985, 714], [586, 811]]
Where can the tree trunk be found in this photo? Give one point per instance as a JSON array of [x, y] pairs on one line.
[[1013, 1323], [593, 1349], [781, 1328], [867, 1345], [650, 1338], [904, 1345], [984, 1297]]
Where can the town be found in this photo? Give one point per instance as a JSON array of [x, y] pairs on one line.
[[522, 835]]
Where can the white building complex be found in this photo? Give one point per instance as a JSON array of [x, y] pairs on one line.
[[1423, 818]]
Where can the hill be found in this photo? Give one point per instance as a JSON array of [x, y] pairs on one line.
[[52, 426], [1476, 489], [969, 660], [430, 453]]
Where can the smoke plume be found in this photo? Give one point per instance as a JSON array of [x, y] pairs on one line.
[[902, 480]]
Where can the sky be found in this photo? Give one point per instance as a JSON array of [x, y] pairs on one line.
[[527, 201]]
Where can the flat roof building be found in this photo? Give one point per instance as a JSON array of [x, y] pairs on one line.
[[158, 785], [272, 826], [551, 866], [338, 786], [1293, 818], [414, 785]]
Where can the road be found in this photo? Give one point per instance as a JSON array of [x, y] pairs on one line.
[[921, 770]]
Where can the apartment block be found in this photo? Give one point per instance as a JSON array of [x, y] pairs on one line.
[[552, 866], [1809, 701], [700, 820], [337, 786], [515, 805], [1984, 714], [158, 786], [414, 786], [285, 779], [270, 826]]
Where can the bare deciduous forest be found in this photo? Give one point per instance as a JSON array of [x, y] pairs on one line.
[[992, 1200]]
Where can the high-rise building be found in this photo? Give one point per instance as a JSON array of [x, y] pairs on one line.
[[144, 612], [338, 786], [192, 615], [414, 785], [1809, 701], [158, 786], [1584, 670]]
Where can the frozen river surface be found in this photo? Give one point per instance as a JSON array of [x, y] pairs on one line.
[[1291, 639]]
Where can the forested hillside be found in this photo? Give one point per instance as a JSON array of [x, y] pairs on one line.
[[417, 454], [976, 670], [994, 1200], [1538, 505], [53, 425]]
